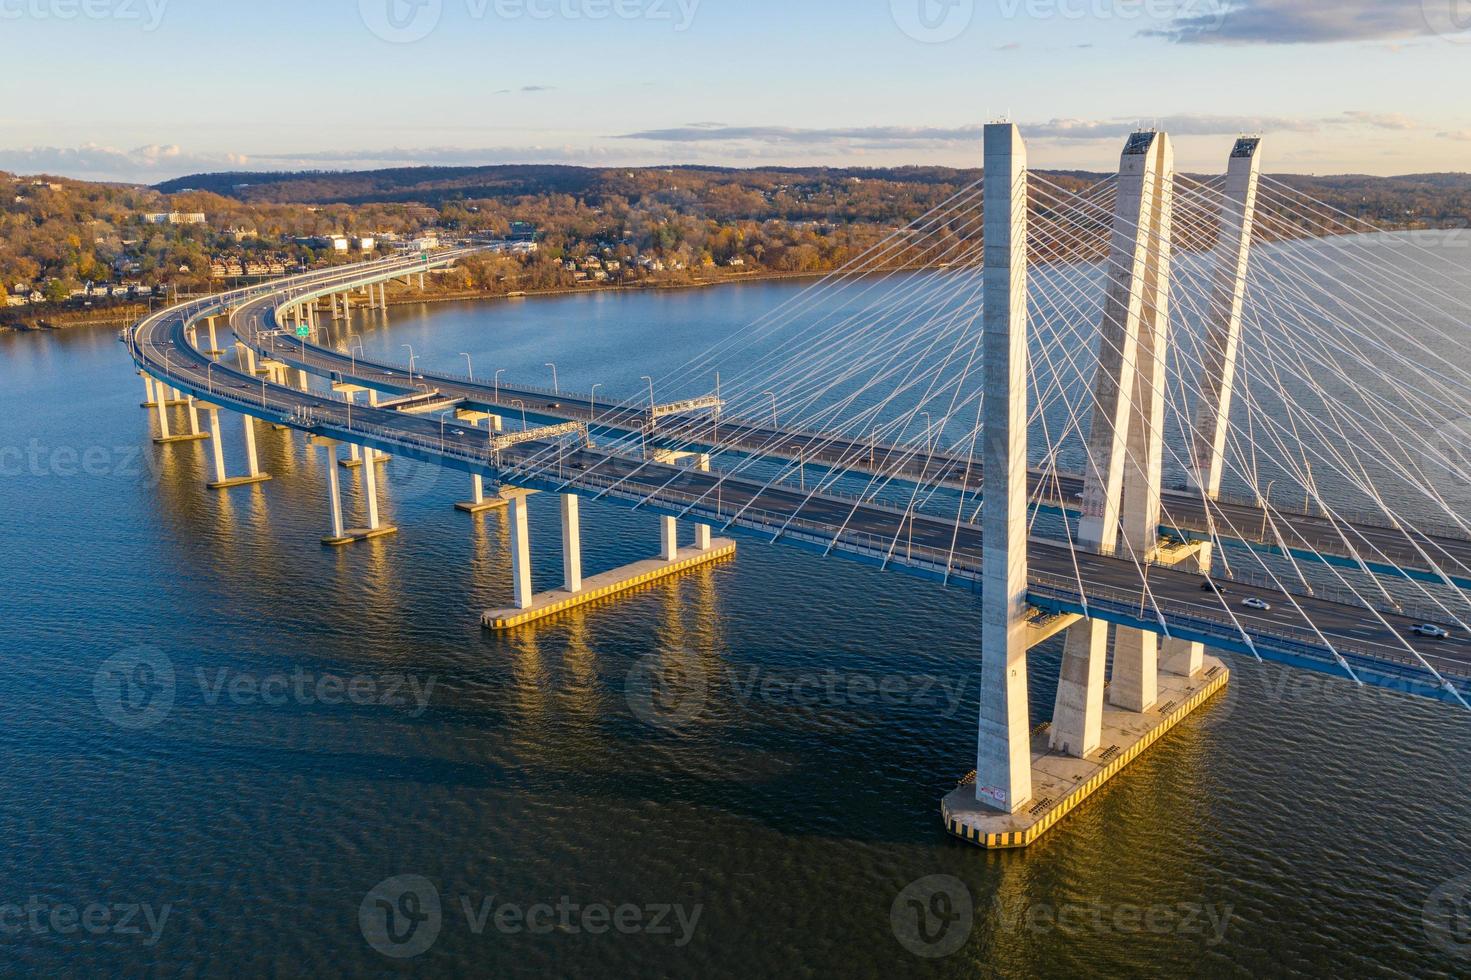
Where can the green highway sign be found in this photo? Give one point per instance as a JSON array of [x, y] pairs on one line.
[[303, 332]]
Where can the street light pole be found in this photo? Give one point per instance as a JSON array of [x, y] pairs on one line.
[[773, 407], [498, 384], [556, 388], [593, 400], [469, 365]]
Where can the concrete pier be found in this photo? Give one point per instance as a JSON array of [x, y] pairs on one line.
[[478, 502], [338, 535], [222, 480], [376, 528], [1061, 781], [606, 585], [161, 405], [571, 545]]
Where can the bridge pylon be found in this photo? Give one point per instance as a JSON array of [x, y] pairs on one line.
[[1131, 356], [1003, 753], [1218, 370], [1025, 780]]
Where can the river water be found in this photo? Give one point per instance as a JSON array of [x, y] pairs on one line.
[[226, 748]]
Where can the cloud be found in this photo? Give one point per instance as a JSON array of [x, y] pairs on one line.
[[96, 162], [871, 136], [1459, 134], [1305, 21], [1381, 120]]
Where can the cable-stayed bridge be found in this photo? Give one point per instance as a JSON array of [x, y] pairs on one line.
[[1068, 333]]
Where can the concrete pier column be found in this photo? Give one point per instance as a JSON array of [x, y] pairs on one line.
[[193, 416], [355, 452], [214, 342], [421, 282], [304, 379], [668, 539], [370, 487], [702, 531], [571, 544], [1134, 685], [1003, 743], [346, 306], [252, 461], [161, 405], [148, 396], [217, 444], [334, 498], [1077, 713], [520, 552]]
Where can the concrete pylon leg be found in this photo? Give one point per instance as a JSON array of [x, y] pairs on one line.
[[148, 396], [1077, 714], [334, 495], [252, 461], [1183, 657], [497, 423], [1003, 743], [668, 539], [571, 544], [214, 342], [161, 404], [1135, 682], [520, 552], [702, 531], [217, 444], [370, 487], [193, 417]]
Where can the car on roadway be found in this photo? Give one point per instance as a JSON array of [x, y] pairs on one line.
[[1260, 605], [1432, 631], [458, 432], [1209, 585], [554, 404]]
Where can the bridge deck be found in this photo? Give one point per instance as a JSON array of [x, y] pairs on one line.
[[1304, 630]]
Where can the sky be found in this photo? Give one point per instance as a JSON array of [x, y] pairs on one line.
[[145, 90]]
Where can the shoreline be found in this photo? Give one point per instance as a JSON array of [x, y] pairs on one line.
[[124, 316]]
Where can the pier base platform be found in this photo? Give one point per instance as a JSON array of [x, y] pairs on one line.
[[186, 437], [1061, 782], [238, 481], [608, 584], [356, 534]]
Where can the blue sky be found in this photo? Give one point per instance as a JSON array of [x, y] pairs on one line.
[[149, 89]]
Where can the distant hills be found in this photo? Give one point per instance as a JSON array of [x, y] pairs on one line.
[[1435, 198]]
